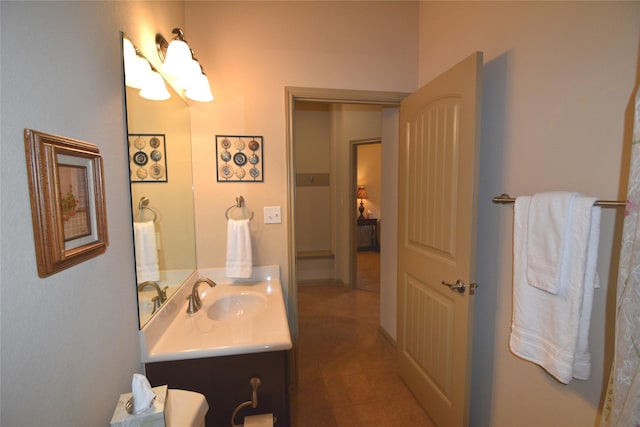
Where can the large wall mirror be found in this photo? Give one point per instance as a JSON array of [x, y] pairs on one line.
[[159, 141]]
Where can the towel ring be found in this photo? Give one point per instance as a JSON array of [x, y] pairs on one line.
[[226, 214], [144, 204], [239, 204]]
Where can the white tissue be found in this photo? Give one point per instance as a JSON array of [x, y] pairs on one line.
[[143, 395], [152, 417]]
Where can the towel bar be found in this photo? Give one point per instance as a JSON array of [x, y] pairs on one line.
[[505, 199]]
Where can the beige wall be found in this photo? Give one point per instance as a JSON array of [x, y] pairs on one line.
[[558, 79], [557, 87], [313, 142], [172, 201], [389, 224], [352, 123], [323, 141], [69, 341], [251, 51]]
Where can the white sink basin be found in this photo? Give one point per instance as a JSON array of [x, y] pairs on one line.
[[237, 306], [236, 318]]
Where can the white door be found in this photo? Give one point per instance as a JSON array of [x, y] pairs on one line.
[[437, 204]]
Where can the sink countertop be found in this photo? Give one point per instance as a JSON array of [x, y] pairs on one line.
[[175, 335]]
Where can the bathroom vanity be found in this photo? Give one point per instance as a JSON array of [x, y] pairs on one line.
[[240, 332]]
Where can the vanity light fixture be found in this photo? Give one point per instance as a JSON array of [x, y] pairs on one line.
[[178, 60], [140, 74]]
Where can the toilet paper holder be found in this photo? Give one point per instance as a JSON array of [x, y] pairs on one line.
[[255, 382]]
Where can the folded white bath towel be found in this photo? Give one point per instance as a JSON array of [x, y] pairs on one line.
[[548, 329], [548, 232], [146, 251], [239, 256]]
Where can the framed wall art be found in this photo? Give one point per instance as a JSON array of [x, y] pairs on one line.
[[239, 158], [147, 158], [68, 209]]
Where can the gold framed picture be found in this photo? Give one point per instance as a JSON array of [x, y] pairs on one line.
[[68, 207]]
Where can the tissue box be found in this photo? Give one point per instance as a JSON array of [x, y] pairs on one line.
[[152, 417]]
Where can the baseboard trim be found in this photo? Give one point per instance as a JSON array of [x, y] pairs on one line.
[[386, 336], [313, 282]]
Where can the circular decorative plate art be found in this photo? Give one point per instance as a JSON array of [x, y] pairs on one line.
[[239, 158], [147, 158]]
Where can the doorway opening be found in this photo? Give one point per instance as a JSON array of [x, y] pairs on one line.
[[341, 347], [343, 254], [367, 169]]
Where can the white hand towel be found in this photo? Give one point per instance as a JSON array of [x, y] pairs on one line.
[[239, 256], [551, 329], [146, 254], [548, 232], [143, 395]]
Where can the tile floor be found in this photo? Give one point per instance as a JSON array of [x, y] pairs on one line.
[[347, 373], [368, 271]]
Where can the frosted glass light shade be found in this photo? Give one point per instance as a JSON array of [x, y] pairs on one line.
[[128, 50], [136, 68], [136, 71], [154, 88], [177, 56], [190, 73], [199, 89]]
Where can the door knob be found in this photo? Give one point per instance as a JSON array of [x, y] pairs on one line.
[[460, 287]]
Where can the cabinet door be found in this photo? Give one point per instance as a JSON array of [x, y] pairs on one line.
[[224, 381]]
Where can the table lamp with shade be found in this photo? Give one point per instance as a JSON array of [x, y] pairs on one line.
[[361, 194]]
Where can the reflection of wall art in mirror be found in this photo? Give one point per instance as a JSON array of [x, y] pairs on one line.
[[239, 158], [67, 200], [147, 158]]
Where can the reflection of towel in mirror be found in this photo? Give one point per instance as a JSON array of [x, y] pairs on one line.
[[239, 260], [146, 252]]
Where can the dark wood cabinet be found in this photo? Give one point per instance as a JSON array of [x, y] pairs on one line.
[[368, 235], [224, 380]]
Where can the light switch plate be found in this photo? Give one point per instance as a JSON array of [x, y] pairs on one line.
[[272, 215]]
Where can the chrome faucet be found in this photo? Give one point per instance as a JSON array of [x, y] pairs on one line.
[[195, 303], [157, 300]]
